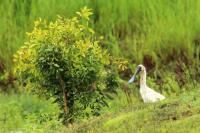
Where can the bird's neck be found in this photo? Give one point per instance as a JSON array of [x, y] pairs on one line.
[[143, 79]]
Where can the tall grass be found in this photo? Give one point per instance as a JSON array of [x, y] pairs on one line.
[[136, 29], [28, 113]]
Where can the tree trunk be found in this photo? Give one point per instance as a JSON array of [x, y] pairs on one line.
[[65, 95]]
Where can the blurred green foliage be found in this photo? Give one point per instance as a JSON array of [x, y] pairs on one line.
[[157, 31]]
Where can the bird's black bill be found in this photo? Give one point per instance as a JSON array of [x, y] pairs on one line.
[[133, 77]]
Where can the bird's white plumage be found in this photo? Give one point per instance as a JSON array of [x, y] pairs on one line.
[[148, 94]]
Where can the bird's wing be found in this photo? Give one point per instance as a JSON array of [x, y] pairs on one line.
[[156, 94]]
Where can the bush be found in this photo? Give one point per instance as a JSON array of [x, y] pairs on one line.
[[63, 59]]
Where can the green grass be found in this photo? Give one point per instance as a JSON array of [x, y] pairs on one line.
[[27, 113], [134, 29], [178, 114]]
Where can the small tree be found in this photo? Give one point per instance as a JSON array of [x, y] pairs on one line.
[[63, 59]]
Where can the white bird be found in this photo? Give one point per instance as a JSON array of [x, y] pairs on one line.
[[148, 95]]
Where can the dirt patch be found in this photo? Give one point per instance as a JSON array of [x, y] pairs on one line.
[[126, 73], [196, 41], [148, 62], [179, 70], [166, 112], [186, 113], [177, 56], [1, 67]]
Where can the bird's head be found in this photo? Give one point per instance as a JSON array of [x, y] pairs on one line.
[[140, 68]]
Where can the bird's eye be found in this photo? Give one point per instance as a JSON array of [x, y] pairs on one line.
[[139, 68]]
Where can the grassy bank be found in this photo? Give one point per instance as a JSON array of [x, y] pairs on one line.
[[175, 114], [27, 113]]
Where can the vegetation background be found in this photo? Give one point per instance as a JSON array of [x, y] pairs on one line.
[[162, 35]]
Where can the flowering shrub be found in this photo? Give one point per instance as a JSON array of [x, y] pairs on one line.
[[63, 59]]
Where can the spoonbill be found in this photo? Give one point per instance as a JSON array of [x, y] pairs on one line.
[[148, 94]]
